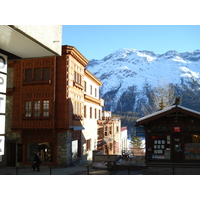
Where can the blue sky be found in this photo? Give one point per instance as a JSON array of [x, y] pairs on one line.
[[97, 41]]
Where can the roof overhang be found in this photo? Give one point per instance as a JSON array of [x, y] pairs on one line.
[[166, 112], [29, 41]]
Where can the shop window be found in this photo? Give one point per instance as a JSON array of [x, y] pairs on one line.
[[160, 147], [192, 147], [74, 149], [45, 149]]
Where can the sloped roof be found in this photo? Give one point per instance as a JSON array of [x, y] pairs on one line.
[[165, 111]]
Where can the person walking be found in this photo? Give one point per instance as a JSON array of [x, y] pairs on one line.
[[37, 161]]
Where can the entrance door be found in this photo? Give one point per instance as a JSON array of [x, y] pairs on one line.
[[11, 154], [177, 148]]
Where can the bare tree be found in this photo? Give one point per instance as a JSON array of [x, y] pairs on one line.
[[161, 97]]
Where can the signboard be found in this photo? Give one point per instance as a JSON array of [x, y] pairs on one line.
[[3, 81], [2, 141], [177, 129], [140, 132]]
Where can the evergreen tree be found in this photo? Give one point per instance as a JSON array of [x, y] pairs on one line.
[[136, 141]]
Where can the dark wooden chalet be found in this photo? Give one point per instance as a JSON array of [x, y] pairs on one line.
[[172, 135]]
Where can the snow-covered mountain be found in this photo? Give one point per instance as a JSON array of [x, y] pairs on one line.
[[129, 75]]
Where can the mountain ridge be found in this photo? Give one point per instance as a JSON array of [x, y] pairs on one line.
[[129, 75]]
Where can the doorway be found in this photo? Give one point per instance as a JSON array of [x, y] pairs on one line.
[[11, 154], [177, 148]]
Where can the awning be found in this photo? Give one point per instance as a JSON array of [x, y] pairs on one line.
[[78, 128]]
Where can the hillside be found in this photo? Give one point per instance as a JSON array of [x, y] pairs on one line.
[[130, 76]]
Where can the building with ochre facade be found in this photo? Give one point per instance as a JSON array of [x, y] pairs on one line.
[[92, 112]]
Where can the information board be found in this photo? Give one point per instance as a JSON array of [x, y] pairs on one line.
[[140, 131]]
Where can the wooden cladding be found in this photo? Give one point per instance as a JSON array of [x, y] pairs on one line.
[[34, 81]]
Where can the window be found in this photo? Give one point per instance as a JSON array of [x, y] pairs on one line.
[[85, 86], [88, 145], [192, 147], [85, 111], [36, 108], [95, 92], [77, 77], [99, 114], [40, 108], [46, 74], [37, 74], [28, 75], [77, 108], [106, 129], [90, 89], [90, 112], [46, 108], [28, 108], [117, 128], [95, 113], [74, 149]]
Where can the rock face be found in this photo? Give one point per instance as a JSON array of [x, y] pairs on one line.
[[129, 76]]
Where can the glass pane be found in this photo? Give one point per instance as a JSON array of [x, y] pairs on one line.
[[74, 149], [192, 147], [37, 75], [28, 108], [46, 73], [44, 148], [28, 75], [46, 108], [37, 108]]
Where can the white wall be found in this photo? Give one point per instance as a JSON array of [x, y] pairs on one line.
[[90, 124]]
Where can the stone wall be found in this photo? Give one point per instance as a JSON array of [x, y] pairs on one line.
[[64, 149]]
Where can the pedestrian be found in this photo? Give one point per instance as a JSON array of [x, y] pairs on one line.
[[37, 161]]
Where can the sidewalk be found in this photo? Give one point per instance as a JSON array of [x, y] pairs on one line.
[[44, 170]]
